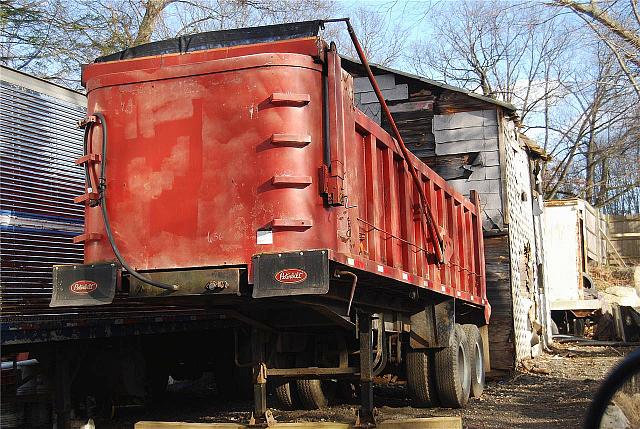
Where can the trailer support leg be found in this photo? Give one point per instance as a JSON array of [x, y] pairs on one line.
[[261, 415], [365, 414], [62, 389], [260, 390]]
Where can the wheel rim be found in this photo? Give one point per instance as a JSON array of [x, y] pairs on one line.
[[463, 374], [479, 364]]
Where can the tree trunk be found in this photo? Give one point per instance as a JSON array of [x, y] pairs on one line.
[[153, 10]]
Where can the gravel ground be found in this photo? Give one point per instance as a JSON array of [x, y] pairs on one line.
[[553, 392]]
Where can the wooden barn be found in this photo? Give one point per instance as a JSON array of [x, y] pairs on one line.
[[474, 143]]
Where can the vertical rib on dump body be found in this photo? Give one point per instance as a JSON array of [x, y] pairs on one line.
[[219, 155]]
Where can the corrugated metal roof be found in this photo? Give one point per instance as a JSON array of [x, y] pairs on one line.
[[436, 83], [43, 86]]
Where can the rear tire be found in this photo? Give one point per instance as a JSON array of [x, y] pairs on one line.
[[420, 382], [284, 392], [476, 359], [453, 372], [315, 394]]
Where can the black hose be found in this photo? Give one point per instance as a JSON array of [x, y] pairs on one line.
[[102, 201], [87, 177]]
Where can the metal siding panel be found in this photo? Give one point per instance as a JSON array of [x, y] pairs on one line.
[[38, 145]]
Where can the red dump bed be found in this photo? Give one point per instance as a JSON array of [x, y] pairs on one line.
[[218, 155]]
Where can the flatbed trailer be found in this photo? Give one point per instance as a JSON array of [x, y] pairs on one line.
[[231, 171]]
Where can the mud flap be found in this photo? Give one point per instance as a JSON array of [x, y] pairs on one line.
[[433, 327], [292, 273], [84, 285]]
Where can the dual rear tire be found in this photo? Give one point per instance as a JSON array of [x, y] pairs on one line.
[[448, 376], [308, 394]]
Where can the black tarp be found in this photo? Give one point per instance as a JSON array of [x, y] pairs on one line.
[[219, 39]]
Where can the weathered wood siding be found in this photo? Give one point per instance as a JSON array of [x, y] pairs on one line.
[[624, 234], [473, 135], [501, 337], [412, 111]]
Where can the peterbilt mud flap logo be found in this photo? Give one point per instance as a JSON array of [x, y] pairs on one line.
[[83, 287], [291, 276]]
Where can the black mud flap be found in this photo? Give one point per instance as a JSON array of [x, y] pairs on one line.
[[292, 273], [84, 285]]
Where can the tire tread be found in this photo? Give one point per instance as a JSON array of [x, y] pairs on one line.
[[311, 394], [419, 378], [450, 389], [473, 336]]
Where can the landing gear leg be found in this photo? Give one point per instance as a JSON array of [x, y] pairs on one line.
[[365, 414], [261, 417], [260, 390]]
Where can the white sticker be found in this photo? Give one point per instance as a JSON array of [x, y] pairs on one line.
[[350, 261], [264, 237], [380, 269], [405, 276]]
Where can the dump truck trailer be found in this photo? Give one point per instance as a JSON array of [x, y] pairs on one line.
[[231, 170]]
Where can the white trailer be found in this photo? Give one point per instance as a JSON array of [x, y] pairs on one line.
[[575, 238]]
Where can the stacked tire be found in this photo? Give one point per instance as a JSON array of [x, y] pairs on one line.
[[448, 376]]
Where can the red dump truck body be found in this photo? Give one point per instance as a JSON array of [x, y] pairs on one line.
[[220, 155]]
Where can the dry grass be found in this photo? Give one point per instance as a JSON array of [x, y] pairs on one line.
[[630, 406], [606, 276]]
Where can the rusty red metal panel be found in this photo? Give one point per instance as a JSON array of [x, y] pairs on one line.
[[211, 150]]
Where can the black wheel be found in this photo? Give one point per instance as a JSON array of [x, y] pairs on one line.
[[578, 327], [284, 393], [420, 381], [453, 372], [476, 359], [315, 394]]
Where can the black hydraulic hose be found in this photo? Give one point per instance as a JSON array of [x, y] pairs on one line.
[[87, 177], [102, 201]]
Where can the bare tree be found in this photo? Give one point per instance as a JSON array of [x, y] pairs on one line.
[[515, 53], [569, 87], [53, 38], [617, 24], [383, 40]]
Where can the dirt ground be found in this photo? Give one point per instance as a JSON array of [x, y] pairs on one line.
[[553, 393]]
